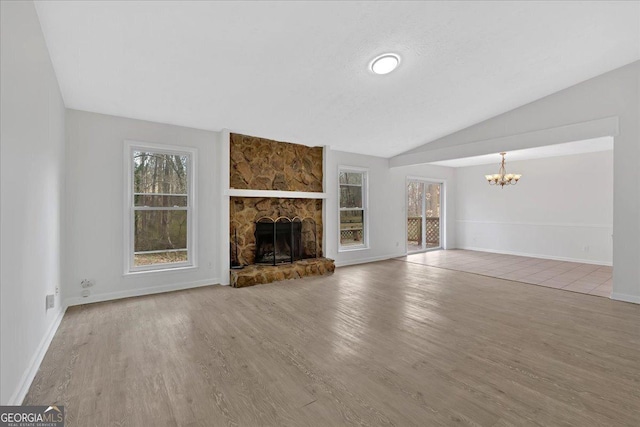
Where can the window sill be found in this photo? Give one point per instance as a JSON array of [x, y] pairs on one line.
[[353, 248], [176, 269]]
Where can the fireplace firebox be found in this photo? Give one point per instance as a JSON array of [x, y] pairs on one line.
[[285, 240]]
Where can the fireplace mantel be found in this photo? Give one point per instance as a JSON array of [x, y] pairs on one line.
[[275, 194]]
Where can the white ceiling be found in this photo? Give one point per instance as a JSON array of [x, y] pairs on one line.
[[569, 148], [297, 71]]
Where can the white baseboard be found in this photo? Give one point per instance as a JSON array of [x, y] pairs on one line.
[[625, 297], [34, 364], [366, 260], [139, 292], [556, 258]]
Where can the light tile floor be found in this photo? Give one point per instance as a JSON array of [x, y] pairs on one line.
[[571, 276], [413, 246]]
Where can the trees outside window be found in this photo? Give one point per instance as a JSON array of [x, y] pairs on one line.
[[159, 208]]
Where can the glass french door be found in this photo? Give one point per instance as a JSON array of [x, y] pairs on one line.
[[424, 228]]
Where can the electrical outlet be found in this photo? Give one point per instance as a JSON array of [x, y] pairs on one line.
[[50, 301], [586, 248], [57, 290], [85, 293], [87, 283]]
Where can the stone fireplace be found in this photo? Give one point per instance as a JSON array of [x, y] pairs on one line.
[[275, 238]]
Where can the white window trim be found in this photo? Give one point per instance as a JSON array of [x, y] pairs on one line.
[[365, 207], [192, 217]]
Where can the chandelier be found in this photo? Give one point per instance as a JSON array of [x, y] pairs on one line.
[[503, 178]]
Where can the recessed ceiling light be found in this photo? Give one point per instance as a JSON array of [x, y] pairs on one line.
[[385, 63]]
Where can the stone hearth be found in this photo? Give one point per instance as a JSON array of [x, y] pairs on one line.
[[260, 274]]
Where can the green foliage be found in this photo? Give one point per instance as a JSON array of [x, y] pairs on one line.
[[156, 230]]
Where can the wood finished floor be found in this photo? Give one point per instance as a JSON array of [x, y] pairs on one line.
[[386, 343]]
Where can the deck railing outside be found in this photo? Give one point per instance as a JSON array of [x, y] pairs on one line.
[[414, 230]]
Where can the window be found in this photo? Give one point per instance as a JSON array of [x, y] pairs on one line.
[[159, 209], [353, 208]]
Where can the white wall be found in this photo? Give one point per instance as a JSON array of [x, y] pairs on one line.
[[387, 206], [95, 206], [607, 105], [32, 181], [561, 206]]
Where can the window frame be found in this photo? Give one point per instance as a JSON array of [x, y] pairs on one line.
[[130, 208], [443, 210], [365, 208]]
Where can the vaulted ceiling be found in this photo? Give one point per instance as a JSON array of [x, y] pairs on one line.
[[298, 71]]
